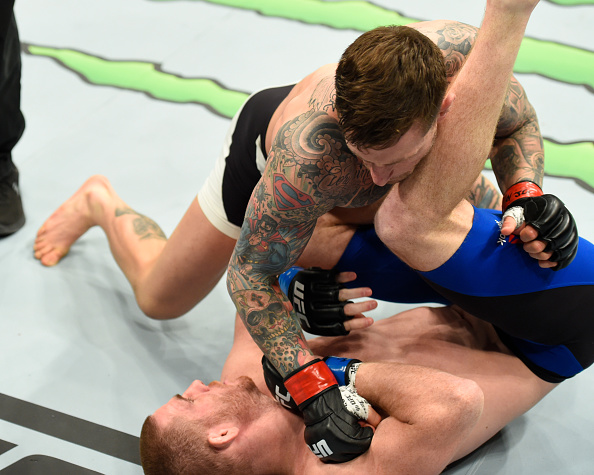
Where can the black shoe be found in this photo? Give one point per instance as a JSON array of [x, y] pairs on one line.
[[12, 217]]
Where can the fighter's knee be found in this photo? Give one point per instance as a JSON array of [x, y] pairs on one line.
[[157, 309], [391, 227]]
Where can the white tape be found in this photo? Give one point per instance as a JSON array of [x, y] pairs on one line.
[[517, 213], [355, 404]]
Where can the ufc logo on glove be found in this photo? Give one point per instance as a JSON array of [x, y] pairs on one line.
[[298, 302], [321, 449]]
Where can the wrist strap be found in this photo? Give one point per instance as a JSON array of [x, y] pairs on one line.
[[285, 279], [522, 189], [309, 380]]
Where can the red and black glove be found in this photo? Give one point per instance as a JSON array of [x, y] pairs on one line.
[[342, 369], [331, 432], [276, 386], [549, 216]]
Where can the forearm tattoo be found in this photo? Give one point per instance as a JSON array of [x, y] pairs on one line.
[[518, 150], [144, 227], [309, 171]]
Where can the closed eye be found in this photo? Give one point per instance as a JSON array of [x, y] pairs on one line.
[[185, 399]]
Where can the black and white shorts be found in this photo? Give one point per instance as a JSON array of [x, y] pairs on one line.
[[225, 195]]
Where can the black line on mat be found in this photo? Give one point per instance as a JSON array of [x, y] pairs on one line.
[[71, 429]]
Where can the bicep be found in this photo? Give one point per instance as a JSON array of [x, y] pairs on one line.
[[399, 447]]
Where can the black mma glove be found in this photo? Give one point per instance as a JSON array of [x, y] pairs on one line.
[[314, 295], [331, 432], [343, 369], [549, 216], [276, 386]]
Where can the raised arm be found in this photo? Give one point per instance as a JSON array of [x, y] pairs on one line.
[[517, 156], [424, 207]]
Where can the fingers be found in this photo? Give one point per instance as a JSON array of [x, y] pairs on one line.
[[344, 277], [528, 234], [350, 294], [529, 237], [358, 322], [355, 308], [508, 226], [536, 248], [374, 418], [546, 264]]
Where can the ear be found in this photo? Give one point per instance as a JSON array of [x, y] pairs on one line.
[[222, 436], [445, 105]]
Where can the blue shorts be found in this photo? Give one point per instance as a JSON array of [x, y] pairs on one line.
[[377, 267], [545, 317]]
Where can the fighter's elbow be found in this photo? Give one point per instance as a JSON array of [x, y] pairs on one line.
[[465, 403]]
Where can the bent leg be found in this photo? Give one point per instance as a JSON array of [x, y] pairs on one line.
[[191, 264], [168, 277]]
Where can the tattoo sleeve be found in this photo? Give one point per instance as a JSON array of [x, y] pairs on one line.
[[518, 151], [309, 171]]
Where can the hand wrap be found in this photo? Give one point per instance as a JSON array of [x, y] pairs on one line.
[[549, 216], [314, 295], [331, 431]]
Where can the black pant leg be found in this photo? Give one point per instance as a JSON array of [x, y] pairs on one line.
[[12, 122]]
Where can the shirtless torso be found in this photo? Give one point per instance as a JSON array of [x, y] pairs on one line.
[[444, 338]]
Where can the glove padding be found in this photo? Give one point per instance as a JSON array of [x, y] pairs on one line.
[[276, 386], [549, 216], [314, 295], [555, 225], [331, 432]]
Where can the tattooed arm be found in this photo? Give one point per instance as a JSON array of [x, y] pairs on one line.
[[518, 152], [309, 171], [484, 194]]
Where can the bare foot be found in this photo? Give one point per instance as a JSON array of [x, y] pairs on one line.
[[69, 222]]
